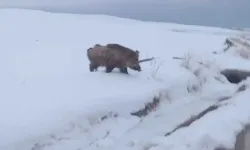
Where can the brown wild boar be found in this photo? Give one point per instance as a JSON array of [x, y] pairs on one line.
[[113, 56]]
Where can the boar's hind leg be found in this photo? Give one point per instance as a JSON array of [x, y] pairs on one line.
[[109, 69], [124, 70], [92, 67]]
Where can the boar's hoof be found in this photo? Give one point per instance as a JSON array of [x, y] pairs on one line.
[[109, 69], [139, 69], [124, 70], [92, 68], [136, 68]]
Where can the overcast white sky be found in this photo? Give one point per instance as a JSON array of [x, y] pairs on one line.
[[223, 13]]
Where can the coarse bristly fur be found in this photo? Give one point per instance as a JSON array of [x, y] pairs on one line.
[[113, 56]]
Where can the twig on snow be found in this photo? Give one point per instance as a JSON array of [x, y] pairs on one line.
[[104, 137], [157, 69], [199, 62]]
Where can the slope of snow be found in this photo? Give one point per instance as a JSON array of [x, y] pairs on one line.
[[50, 100]]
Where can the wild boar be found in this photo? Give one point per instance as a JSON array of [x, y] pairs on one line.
[[113, 56]]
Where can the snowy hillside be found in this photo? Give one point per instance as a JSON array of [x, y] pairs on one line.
[[50, 101]]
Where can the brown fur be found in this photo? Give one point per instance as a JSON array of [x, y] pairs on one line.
[[113, 56]]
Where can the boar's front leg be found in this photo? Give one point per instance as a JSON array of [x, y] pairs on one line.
[[92, 67], [124, 70], [109, 69]]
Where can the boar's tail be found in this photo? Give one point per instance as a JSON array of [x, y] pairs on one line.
[[88, 53], [89, 49]]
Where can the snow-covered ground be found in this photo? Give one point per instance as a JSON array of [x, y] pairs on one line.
[[50, 101]]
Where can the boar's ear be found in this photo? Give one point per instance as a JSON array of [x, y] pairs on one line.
[[97, 45]]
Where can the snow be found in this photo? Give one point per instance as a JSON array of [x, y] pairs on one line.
[[50, 100]]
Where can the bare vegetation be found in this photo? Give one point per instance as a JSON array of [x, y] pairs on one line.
[[188, 63], [211, 108], [238, 45]]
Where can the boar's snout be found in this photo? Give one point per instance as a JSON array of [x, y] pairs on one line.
[[137, 68]]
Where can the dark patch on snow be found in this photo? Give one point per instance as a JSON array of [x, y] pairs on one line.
[[104, 137], [38, 146], [148, 108], [109, 115], [224, 98], [235, 75], [242, 88], [193, 119]]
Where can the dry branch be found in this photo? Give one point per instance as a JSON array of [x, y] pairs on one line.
[[147, 59], [178, 58], [104, 137]]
